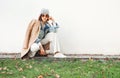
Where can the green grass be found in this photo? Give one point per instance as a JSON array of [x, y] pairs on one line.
[[49, 68]]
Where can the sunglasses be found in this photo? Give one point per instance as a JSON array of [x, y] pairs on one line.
[[45, 15]]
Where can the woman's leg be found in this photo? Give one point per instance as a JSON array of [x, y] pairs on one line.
[[54, 44], [33, 49]]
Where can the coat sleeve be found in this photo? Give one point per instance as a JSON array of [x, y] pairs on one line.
[[28, 33]]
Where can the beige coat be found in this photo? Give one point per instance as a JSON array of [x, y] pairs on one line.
[[31, 35]]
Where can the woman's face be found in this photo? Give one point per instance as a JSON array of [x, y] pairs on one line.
[[45, 17]]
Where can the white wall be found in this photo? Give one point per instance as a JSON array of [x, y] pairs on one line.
[[86, 26]]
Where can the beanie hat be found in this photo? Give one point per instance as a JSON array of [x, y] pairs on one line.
[[44, 11]]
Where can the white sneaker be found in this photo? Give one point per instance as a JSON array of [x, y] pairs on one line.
[[59, 55]]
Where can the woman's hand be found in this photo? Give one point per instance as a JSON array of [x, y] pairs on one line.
[[51, 18], [42, 51]]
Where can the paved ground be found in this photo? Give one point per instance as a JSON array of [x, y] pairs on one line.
[[69, 56], [9, 55]]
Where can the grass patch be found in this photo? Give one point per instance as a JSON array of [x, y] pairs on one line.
[[10, 68]]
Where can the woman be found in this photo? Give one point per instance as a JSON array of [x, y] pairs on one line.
[[41, 33]]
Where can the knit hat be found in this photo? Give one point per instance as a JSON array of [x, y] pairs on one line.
[[44, 11]]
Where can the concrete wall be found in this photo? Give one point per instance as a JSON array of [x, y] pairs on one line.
[[86, 26]]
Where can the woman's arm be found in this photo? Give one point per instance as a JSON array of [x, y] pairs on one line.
[[54, 25], [42, 51]]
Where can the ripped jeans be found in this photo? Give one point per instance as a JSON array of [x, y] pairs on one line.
[[54, 44]]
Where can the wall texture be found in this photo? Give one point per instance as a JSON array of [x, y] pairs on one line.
[[86, 26]]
